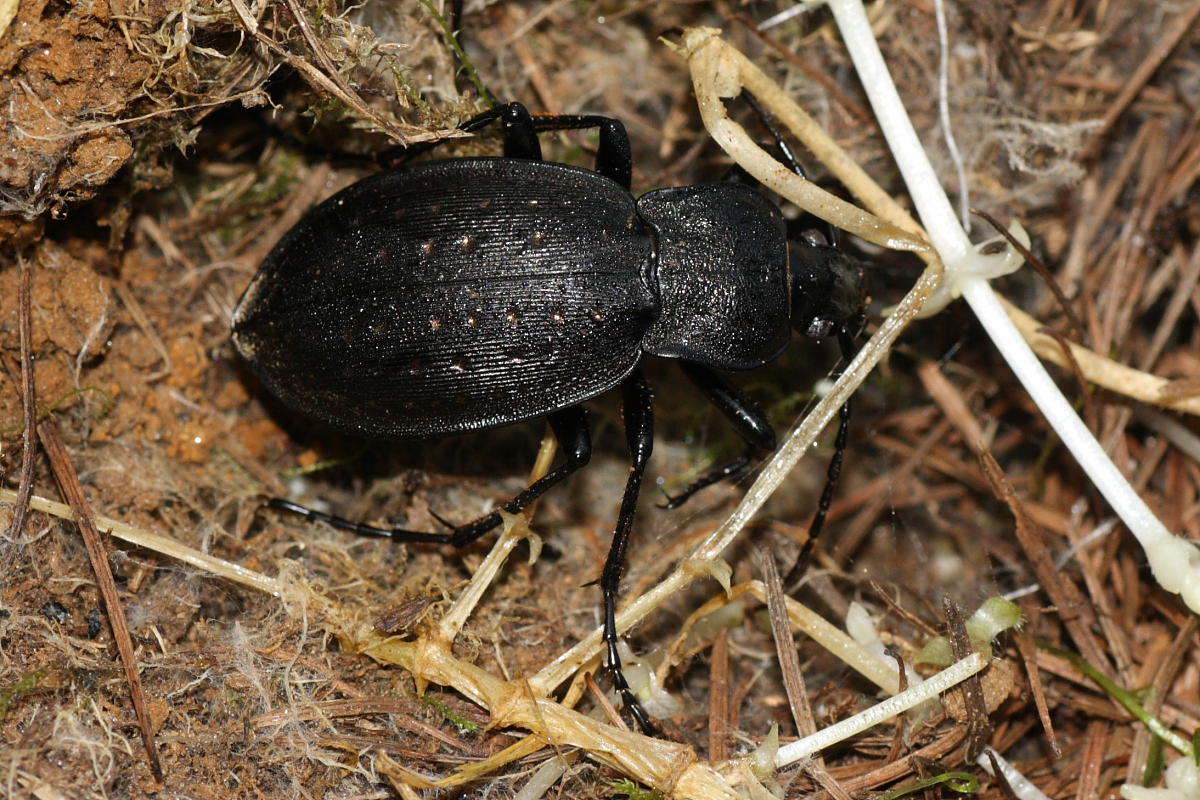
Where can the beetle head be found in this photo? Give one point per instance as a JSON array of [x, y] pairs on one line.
[[828, 295]]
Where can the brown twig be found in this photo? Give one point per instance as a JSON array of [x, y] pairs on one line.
[[951, 401], [898, 738], [1000, 778], [978, 726], [1092, 761], [1164, 675], [28, 407], [789, 665], [610, 711], [785, 646], [68, 481], [1028, 651], [1184, 289], [718, 698], [1040, 267], [1089, 403], [1098, 206], [400, 709], [902, 612], [1073, 608], [894, 770]]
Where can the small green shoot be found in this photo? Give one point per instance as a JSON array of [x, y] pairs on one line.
[[460, 723], [451, 39], [319, 466], [634, 792], [400, 77], [961, 782], [995, 616], [10, 694], [325, 108], [1155, 763], [1128, 699], [109, 402]]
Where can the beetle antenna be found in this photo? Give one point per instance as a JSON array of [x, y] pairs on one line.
[[786, 154], [846, 342], [445, 523], [785, 150]]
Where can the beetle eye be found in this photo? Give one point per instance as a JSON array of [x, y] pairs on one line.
[[814, 237], [819, 328]]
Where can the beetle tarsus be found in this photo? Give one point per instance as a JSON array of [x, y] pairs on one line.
[[731, 471], [745, 416], [338, 522], [638, 413], [671, 501], [628, 698]]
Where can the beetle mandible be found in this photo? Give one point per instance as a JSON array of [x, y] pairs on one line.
[[471, 293]]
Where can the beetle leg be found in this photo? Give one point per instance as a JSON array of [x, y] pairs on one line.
[[846, 342], [748, 420], [831, 479], [614, 158], [786, 154], [520, 138], [520, 135], [571, 430], [639, 433]]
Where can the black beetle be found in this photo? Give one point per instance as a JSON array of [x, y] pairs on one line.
[[472, 293]]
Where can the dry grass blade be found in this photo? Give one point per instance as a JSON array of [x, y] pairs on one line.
[[720, 72], [1103, 371], [789, 665], [165, 545], [932, 687], [670, 766]]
